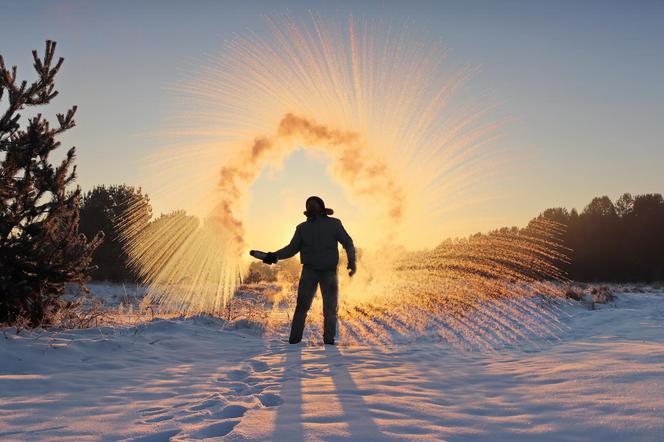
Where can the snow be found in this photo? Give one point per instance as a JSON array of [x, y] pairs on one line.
[[600, 377]]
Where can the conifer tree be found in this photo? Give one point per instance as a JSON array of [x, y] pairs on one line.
[[119, 211], [41, 248]]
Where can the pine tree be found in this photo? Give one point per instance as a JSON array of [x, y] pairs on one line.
[[41, 248], [117, 210]]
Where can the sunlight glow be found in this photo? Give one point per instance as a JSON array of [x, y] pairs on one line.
[[380, 106]]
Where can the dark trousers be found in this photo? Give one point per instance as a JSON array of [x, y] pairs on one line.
[[329, 287]]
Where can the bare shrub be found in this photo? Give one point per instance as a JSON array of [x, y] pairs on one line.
[[574, 293], [602, 294]]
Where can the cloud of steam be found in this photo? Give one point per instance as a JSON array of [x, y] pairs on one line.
[[355, 164]]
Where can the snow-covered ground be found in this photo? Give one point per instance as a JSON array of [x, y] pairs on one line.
[[601, 377]]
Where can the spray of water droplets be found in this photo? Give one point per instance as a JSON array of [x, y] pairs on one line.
[[381, 106]]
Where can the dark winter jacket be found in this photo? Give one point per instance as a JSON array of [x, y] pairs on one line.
[[316, 239]]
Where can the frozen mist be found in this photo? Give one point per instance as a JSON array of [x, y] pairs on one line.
[[380, 105]]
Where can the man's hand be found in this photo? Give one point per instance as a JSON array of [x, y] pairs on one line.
[[351, 266], [270, 258]]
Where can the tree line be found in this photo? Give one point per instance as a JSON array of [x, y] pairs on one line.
[[606, 241], [614, 241]]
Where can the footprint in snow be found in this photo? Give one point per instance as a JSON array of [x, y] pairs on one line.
[[233, 411], [259, 366], [270, 399], [236, 375], [209, 403], [215, 430]]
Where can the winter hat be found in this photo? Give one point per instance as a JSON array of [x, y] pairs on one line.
[[319, 200]]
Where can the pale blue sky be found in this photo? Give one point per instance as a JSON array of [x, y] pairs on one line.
[[583, 81]]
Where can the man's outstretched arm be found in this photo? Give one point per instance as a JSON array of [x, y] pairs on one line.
[[292, 248]]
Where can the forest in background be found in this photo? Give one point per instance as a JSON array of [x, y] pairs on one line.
[[617, 241]]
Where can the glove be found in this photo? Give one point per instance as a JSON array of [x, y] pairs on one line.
[[270, 258], [352, 268]]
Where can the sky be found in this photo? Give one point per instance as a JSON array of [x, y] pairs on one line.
[[580, 81]]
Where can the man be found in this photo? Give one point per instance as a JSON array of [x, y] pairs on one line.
[[316, 240]]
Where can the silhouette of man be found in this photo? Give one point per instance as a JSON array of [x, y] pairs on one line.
[[316, 240]]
